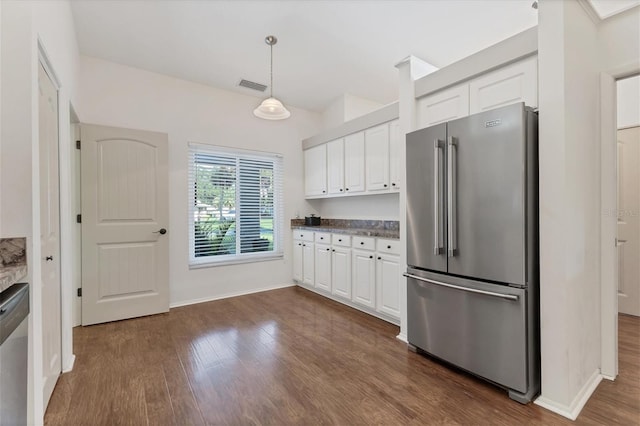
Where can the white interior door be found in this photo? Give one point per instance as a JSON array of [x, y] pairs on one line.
[[629, 221], [125, 213], [49, 233]]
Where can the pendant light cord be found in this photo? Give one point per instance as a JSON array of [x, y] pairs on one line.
[[271, 85]]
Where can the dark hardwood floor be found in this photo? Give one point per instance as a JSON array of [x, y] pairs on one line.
[[290, 356]]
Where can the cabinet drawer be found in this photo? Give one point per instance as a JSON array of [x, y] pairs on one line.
[[365, 243], [300, 234], [388, 246], [323, 237], [341, 240]]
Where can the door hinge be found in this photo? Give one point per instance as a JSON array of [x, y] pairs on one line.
[[78, 218], [80, 292], [78, 144]]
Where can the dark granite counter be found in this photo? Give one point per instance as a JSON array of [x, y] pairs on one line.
[[367, 228], [13, 261]]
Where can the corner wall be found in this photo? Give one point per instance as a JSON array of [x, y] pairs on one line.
[[25, 26], [574, 47], [121, 96]]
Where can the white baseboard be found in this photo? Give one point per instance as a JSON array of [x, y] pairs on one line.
[[70, 364], [402, 337], [611, 378], [226, 296], [573, 410]]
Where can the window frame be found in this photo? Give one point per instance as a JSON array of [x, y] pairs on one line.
[[196, 262]]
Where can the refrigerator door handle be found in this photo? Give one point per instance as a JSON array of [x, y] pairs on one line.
[[451, 203], [437, 247], [470, 290]]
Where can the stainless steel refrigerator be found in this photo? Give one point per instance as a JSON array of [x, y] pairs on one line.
[[472, 246]]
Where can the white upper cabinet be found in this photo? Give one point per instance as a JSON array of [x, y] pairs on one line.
[[377, 157], [514, 83], [335, 166], [315, 171], [354, 163], [442, 106], [394, 155]]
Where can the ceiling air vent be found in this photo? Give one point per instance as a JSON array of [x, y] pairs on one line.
[[252, 85]]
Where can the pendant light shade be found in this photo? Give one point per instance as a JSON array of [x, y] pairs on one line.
[[271, 108]]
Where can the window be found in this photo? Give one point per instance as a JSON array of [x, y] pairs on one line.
[[235, 205]]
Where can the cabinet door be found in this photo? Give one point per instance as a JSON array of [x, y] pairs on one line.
[[354, 163], [297, 260], [315, 171], [323, 267], [363, 282], [308, 264], [335, 166], [443, 106], [376, 141], [388, 284], [509, 85], [394, 155], [341, 272]]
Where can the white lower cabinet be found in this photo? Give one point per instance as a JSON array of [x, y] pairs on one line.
[[341, 272], [323, 267], [363, 272], [363, 283], [308, 263], [297, 260], [388, 284]]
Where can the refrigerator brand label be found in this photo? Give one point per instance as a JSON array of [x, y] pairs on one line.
[[492, 123]]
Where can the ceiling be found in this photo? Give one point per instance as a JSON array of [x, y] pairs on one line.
[[608, 8], [325, 48]]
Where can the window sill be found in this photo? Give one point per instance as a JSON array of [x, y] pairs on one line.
[[213, 264]]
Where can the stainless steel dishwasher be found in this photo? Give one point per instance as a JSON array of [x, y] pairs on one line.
[[14, 310]]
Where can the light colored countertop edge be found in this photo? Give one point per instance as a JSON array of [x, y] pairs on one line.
[[364, 232], [10, 275]]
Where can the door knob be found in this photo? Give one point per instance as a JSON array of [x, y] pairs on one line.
[[162, 231], [48, 258]]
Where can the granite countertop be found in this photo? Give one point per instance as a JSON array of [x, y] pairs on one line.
[[13, 261], [367, 228]]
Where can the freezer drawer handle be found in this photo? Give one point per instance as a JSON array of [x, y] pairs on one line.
[[470, 290]]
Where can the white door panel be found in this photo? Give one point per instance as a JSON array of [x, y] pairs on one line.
[[335, 167], [363, 283], [442, 106], [354, 163], [49, 233], [629, 221], [341, 272], [125, 268], [323, 267], [376, 141]]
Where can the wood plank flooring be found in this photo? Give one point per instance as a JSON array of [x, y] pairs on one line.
[[290, 356]]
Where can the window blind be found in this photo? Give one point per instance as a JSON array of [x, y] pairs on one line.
[[235, 205]]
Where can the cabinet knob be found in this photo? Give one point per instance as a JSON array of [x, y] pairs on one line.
[[328, 249], [341, 190], [339, 240], [322, 238], [388, 247], [346, 189], [323, 191], [379, 258], [370, 257], [393, 184], [299, 244], [361, 243], [385, 185]]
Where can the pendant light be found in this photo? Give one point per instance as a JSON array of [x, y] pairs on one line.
[[271, 108]]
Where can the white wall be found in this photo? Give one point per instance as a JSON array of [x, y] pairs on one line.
[[373, 207], [628, 102], [345, 108], [116, 95], [573, 50], [24, 25]]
